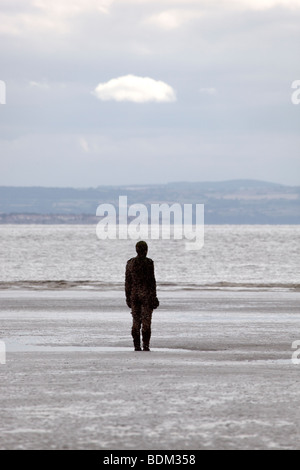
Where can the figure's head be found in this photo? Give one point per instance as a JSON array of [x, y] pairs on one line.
[[141, 248]]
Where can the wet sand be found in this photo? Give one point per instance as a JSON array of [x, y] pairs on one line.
[[219, 374]]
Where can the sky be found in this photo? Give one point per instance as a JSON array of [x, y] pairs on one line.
[[131, 92]]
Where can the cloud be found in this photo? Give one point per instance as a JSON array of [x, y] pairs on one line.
[[74, 7], [84, 145], [40, 16], [267, 4], [208, 91], [26, 17], [26, 23], [135, 89], [228, 4], [41, 85], [167, 20], [173, 19]]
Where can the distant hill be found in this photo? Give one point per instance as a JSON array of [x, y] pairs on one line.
[[226, 202]]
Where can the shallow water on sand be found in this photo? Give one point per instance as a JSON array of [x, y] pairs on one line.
[[52, 257], [219, 374]]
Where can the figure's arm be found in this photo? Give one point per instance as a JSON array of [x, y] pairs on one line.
[[128, 285], [153, 280], [155, 301]]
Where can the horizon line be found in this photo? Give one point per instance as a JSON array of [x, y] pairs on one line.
[[141, 185]]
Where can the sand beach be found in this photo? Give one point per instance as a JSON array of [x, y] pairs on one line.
[[219, 375]]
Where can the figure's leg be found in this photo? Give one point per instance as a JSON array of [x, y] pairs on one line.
[[146, 326], [136, 326]]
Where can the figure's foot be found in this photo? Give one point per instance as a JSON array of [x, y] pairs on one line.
[[146, 348], [138, 348]]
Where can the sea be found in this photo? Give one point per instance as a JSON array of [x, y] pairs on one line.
[[73, 257]]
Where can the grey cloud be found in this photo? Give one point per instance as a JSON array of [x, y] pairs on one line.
[[248, 57]]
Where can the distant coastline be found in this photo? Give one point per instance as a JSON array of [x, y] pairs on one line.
[[48, 219], [238, 202]]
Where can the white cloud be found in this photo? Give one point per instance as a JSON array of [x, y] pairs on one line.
[[84, 145], [208, 91], [173, 19], [21, 23], [39, 16], [266, 4], [170, 19], [166, 20], [135, 89], [18, 17], [72, 7], [42, 85], [248, 4]]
